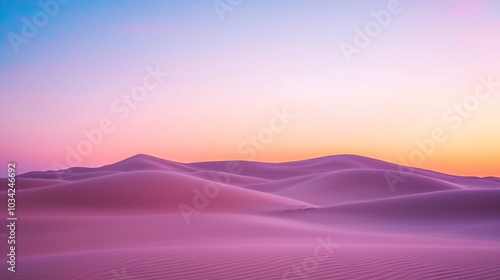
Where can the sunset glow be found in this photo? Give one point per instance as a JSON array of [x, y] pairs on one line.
[[227, 77]]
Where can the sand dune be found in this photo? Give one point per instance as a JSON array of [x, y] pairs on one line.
[[350, 185], [145, 192], [257, 263], [150, 218]]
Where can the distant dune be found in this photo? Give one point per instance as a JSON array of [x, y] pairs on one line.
[[149, 218]]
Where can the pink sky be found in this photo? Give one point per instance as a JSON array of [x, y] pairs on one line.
[[227, 77]]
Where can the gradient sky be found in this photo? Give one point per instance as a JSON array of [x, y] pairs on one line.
[[226, 76]]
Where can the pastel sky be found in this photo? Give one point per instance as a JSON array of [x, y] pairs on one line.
[[231, 67]]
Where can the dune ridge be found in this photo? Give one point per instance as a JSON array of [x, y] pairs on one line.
[[197, 221]]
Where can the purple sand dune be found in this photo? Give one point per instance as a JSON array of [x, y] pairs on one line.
[[333, 217]]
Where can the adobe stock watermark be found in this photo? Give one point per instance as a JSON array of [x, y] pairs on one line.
[[31, 27], [121, 107], [323, 250], [454, 118], [363, 37], [223, 6], [220, 180], [121, 275], [265, 135]]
